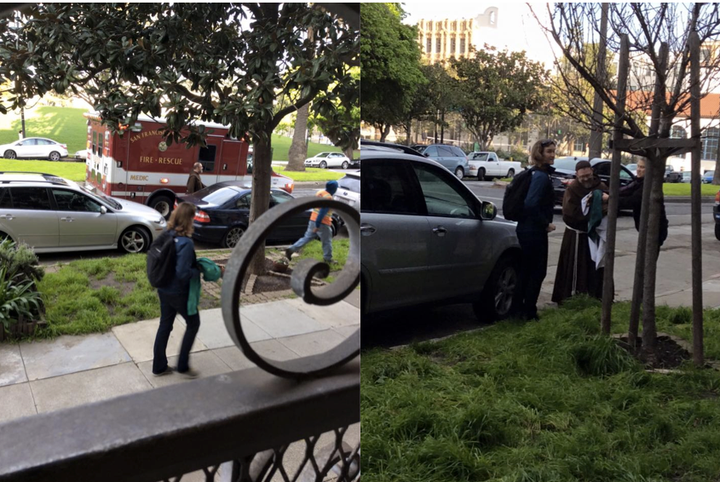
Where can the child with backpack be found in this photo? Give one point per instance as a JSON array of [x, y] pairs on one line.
[[175, 247], [534, 225]]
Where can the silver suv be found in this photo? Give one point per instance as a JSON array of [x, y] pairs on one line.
[[53, 214], [453, 158], [427, 238]]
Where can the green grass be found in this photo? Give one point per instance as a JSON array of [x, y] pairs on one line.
[[67, 125], [310, 174], [75, 171], [547, 401], [683, 189]]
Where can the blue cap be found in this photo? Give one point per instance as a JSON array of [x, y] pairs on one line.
[[331, 186]]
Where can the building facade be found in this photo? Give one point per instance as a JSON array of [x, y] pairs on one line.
[[441, 40]]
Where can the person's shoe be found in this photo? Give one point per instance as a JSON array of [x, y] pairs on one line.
[[288, 253], [168, 371], [190, 373], [331, 261]]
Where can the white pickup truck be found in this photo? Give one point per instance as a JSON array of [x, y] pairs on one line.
[[486, 164]]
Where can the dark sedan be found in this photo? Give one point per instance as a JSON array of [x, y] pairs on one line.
[[565, 172], [223, 214]]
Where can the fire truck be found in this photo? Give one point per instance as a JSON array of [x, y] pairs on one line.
[[137, 164]]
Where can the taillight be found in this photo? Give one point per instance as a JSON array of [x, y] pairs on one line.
[[63, 146], [289, 188], [202, 217], [717, 197]]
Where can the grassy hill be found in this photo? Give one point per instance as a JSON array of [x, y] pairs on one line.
[[67, 125]]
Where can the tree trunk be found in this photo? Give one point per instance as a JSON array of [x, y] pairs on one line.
[[384, 133], [596, 134], [408, 132], [298, 148], [442, 127], [260, 200], [349, 152]]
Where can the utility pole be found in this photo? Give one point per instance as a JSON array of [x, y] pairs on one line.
[[597, 117]]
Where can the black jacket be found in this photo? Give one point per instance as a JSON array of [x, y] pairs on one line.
[[631, 198]]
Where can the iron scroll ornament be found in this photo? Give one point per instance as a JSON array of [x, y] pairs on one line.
[[344, 284]]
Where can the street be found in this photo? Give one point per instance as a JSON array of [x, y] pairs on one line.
[[673, 279]]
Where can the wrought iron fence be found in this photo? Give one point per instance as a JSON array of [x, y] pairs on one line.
[[283, 421]]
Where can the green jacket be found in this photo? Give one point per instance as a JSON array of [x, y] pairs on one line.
[[211, 272]]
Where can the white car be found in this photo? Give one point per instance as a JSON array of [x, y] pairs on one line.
[[34, 148], [328, 159], [81, 154], [349, 189]]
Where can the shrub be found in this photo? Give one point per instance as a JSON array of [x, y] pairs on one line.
[[19, 271]]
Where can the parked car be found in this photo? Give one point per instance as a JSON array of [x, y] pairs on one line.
[[349, 189], [632, 168], [328, 159], [708, 177], [223, 214], [672, 175], [565, 172], [34, 148], [81, 155], [426, 238], [487, 164], [686, 177], [53, 214], [453, 158]]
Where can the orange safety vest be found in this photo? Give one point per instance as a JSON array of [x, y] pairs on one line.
[[328, 217]]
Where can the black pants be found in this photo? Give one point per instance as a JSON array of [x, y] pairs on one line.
[[532, 271], [170, 306]]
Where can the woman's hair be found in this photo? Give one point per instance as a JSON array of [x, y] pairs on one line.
[[181, 220], [536, 153]]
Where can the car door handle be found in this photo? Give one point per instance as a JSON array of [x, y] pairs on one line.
[[367, 229], [9, 217], [69, 220], [440, 231]]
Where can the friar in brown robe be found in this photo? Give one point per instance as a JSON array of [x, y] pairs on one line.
[[576, 272]]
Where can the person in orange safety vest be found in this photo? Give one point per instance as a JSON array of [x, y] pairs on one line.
[[318, 227]]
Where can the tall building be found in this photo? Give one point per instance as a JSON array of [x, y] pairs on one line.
[[442, 39]]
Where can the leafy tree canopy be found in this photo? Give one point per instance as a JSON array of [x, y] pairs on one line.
[[497, 89]]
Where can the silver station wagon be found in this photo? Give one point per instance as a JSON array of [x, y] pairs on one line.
[[426, 238], [53, 214]]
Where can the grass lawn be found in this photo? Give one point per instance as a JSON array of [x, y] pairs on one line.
[[546, 401], [310, 174], [683, 189], [92, 296], [75, 171]]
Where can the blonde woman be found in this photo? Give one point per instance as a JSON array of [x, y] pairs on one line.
[[533, 228], [174, 296]]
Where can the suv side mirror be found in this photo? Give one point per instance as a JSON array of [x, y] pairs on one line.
[[103, 210], [488, 211]]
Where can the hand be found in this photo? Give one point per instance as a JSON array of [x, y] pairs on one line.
[[605, 197], [550, 228], [222, 271], [315, 230]]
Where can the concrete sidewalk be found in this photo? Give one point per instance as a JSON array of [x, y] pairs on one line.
[[43, 376]]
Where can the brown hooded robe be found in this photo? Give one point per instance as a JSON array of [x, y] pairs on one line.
[[576, 271]]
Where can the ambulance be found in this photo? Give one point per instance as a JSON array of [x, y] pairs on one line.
[[137, 164]]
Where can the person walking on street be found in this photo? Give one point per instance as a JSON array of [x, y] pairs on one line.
[[194, 183], [576, 271], [631, 198], [20, 135], [533, 228], [174, 297], [318, 227]]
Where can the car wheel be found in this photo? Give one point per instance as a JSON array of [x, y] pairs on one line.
[[345, 165], [717, 231], [10, 155], [134, 240], [163, 205], [323, 165], [334, 228], [481, 174], [54, 156], [511, 173], [459, 173], [232, 237], [496, 300]]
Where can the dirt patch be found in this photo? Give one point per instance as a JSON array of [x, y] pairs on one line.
[[668, 353], [124, 287]]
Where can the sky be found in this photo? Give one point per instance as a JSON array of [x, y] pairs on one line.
[[517, 28]]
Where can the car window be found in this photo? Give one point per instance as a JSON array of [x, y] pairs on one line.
[[67, 200], [5, 201], [278, 197], [445, 151], [322, 154], [220, 196], [243, 202], [458, 152], [441, 197], [350, 183], [431, 151], [29, 142], [483, 156], [603, 169], [386, 187], [624, 175], [30, 198], [43, 142], [565, 164]]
